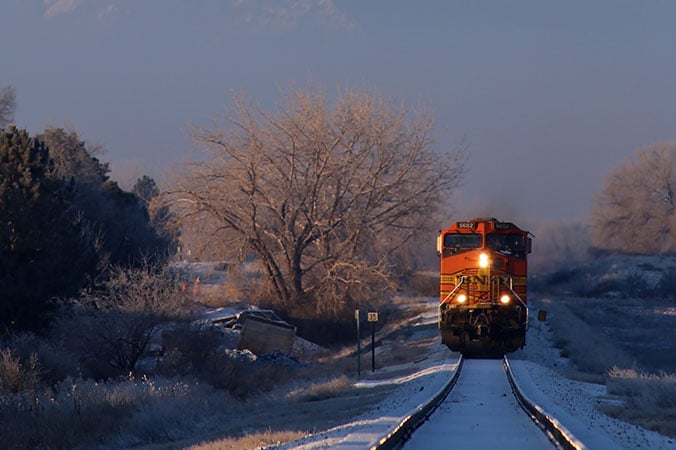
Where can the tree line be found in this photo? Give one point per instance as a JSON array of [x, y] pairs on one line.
[[64, 224], [335, 199]]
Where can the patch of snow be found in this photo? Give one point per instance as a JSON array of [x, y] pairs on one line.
[[574, 403], [538, 369], [368, 429]]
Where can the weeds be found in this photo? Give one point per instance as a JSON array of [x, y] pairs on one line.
[[322, 391], [585, 344], [649, 400], [252, 441], [17, 375]]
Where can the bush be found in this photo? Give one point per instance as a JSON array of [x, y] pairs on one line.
[[16, 375], [110, 330], [187, 347], [649, 400], [55, 362]]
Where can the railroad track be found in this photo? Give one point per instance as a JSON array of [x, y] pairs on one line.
[[481, 407]]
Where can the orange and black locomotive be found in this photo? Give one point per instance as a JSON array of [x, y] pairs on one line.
[[483, 306]]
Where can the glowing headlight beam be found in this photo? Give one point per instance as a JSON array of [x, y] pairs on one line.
[[504, 299], [483, 260], [462, 298]]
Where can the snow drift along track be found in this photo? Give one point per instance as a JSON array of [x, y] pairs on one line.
[[476, 408]]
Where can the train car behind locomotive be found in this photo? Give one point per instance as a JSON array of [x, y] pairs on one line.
[[483, 308]]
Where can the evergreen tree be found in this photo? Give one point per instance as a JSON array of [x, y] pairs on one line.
[[42, 251], [146, 189], [7, 105], [120, 219]]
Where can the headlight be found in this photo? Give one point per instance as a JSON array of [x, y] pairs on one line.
[[483, 260], [504, 299], [462, 298]]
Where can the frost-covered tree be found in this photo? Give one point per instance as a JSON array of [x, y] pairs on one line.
[[635, 210], [323, 193]]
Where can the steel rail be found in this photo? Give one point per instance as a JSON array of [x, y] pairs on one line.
[[411, 422], [559, 433]]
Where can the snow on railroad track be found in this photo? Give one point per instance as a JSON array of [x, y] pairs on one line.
[[479, 412]]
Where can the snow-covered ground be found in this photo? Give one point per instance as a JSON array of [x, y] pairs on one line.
[[538, 371]]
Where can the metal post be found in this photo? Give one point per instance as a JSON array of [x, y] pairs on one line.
[[373, 346], [373, 318], [356, 316]]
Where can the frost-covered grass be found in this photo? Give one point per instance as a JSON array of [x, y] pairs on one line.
[[584, 343], [611, 276], [84, 413], [614, 318], [648, 400]]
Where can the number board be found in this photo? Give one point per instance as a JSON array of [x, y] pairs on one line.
[[373, 317], [466, 225]]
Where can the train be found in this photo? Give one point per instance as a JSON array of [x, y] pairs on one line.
[[483, 269]]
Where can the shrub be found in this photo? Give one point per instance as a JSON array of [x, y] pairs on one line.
[[55, 362], [649, 400], [16, 375], [187, 347], [110, 330]]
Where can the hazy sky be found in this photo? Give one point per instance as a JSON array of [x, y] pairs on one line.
[[549, 95]]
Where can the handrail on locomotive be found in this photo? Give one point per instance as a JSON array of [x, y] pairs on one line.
[[483, 297]]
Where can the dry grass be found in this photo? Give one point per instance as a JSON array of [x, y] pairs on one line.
[[322, 391], [279, 405], [15, 375], [324, 404], [252, 441]]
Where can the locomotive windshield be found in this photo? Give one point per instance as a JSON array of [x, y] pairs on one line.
[[462, 241], [513, 244]]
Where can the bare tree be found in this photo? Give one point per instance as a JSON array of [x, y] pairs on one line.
[[7, 105], [634, 212], [322, 194]]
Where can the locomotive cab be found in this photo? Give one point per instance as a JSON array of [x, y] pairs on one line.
[[483, 298]]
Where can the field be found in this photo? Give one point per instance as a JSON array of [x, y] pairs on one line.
[[615, 319]]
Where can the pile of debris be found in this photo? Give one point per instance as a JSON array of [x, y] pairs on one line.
[[261, 331]]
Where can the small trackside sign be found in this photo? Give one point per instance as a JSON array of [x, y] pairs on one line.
[[372, 316]]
